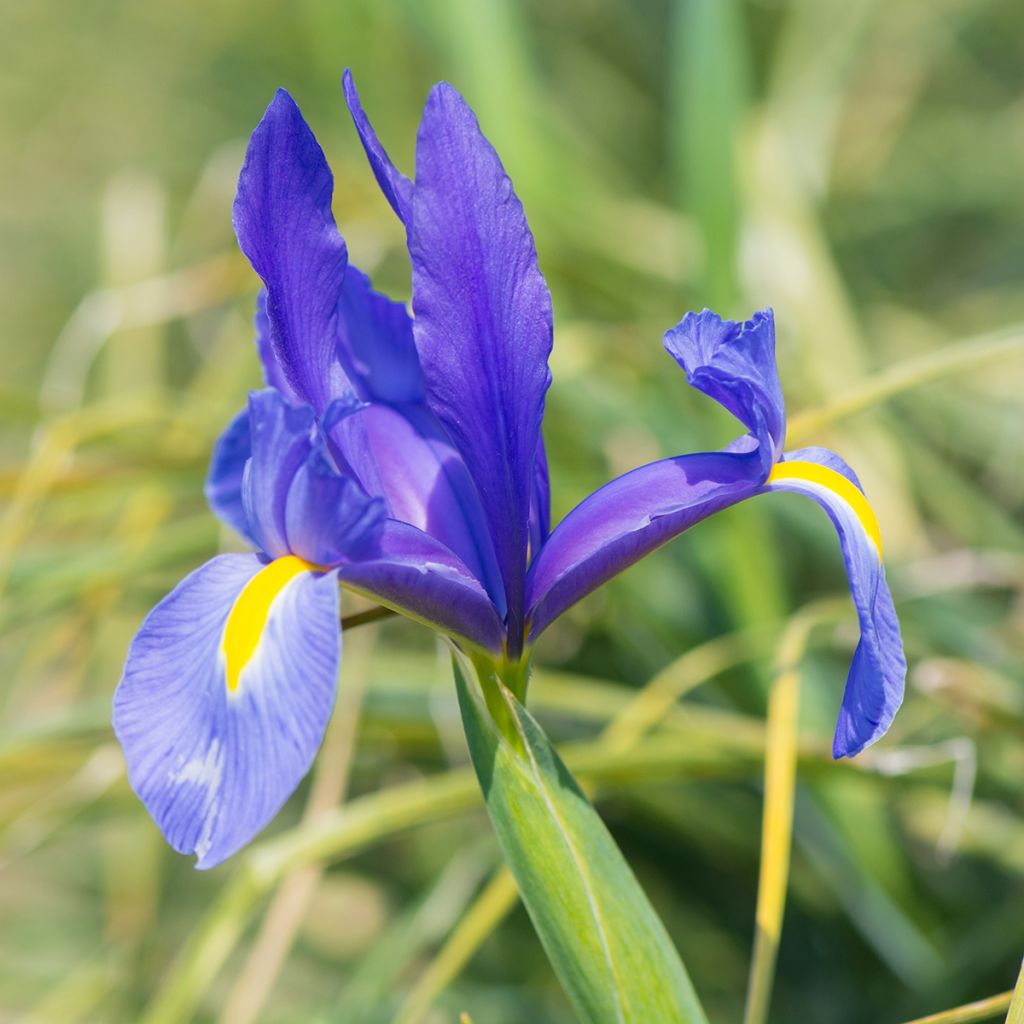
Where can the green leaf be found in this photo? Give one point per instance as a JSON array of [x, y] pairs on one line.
[[602, 937]]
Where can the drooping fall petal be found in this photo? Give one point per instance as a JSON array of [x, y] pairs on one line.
[[874, 686], [225, 697]]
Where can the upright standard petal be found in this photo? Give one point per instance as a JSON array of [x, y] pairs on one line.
[[627, 519], [540, 501], [273, 373], [397, 188], [874, 686], [734, 363], [482, 321], [225, 697], [375, 343], [283, 220]]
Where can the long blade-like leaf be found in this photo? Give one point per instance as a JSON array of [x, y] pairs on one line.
[[602, 937]]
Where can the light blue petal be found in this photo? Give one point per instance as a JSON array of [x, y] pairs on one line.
[[874, 686], [824, 457], [212, 766]]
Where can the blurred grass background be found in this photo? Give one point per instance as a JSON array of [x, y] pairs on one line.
[[853, 163]]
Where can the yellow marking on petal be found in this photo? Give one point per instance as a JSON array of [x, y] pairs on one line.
[[249, 613], [838, 484]]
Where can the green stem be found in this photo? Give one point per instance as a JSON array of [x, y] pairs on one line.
[[365, 618], [603, 939], [490, 682], [516, 677]]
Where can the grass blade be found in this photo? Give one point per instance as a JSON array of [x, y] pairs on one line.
[[905, 376], [489, 909], [969, 1013], [779, 789]]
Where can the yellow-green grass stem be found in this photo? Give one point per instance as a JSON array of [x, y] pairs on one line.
[[348, 830], [1015, 1015], [77, 997], [186, 421], [488, 910], [657, 697], [779, 788], [905, 376], [371, 818], [969, 1013]]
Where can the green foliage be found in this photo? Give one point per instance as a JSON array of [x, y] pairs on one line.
[[604, 941]]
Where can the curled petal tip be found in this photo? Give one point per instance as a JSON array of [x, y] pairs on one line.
[[733, 362], [700, 340]]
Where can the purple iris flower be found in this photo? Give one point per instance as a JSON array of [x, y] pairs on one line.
[[402, 456]]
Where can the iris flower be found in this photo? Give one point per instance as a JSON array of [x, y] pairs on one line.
[[402, 456]]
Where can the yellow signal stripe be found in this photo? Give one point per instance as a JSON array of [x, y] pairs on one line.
[[249, 613], [813, 473]]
